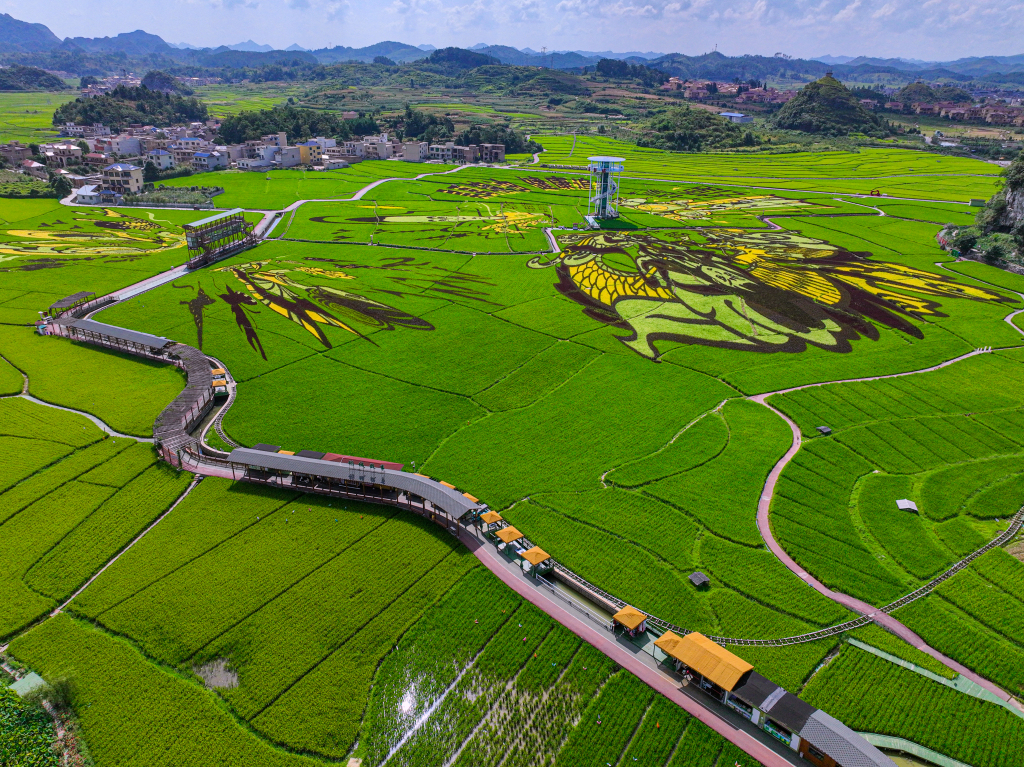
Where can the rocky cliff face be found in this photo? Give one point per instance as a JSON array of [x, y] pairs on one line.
[[1014, 212]]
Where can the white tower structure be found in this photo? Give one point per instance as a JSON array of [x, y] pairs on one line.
[[605, 173]]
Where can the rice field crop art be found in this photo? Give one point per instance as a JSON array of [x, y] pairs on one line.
[[736, 289], [516, 185], [711, 205], [469, 226], [65, 236]]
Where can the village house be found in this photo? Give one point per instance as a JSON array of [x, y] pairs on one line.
[[61, 155], [34, 169], [15, 152], [122, 178], [161, 158], [85, 131], [206, 161], [492, 153]]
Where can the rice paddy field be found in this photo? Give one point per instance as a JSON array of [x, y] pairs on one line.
[[895, 172], [592, 385], [28, 117]]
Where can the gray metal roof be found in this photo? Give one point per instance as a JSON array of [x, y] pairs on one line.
[[71, 300], [217, 217], [452, 501], [792, 713], [755, 689], [132, 336], [841, 743]]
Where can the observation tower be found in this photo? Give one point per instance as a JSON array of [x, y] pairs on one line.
[[605, 173]]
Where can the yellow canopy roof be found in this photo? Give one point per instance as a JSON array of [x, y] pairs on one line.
[[629, 617], [470, 497], [217, 371], [490, 517], [708, 659], [509, 534], [448, 484], [286, 452], [536, 555]]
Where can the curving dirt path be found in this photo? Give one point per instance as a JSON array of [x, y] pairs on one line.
[[880, 617], [100, 424]]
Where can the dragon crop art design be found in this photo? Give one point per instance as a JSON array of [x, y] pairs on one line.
[[737, 289], [281, 287]]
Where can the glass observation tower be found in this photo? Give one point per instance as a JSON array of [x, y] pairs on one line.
[[604, 187]]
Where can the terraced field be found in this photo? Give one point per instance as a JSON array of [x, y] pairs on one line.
[[596, 392]]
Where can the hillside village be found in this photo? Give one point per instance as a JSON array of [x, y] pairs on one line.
[[127, 163]]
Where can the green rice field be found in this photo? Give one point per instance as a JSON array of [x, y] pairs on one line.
[[592, 385], [28, 117]]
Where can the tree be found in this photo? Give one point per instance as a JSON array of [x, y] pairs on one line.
[[62, 185], [965, 239], [150, 172]]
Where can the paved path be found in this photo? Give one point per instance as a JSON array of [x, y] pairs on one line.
[[359, 195], [722, 720], [102, 426]]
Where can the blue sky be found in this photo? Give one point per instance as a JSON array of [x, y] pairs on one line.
[[934, 30]]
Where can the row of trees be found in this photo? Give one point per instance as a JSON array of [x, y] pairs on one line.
[[414, 124], [623, 70]]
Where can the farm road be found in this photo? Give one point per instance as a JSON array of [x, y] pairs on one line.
[[100, 424]]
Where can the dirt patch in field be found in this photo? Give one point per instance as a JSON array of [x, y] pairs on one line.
[[1017, 550], [216, 675]]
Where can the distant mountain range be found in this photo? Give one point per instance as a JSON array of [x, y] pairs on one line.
[[22, 42], [21, 36]]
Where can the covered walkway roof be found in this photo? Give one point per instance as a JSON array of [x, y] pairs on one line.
[[123, 334], [710, 660], [71, 300], [509, 534], [629, 617], [452, 501]]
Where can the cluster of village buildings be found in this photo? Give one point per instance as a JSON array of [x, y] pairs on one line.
[[744, 94], [993, 110], [131, 80], [117, 160], [995, 114]]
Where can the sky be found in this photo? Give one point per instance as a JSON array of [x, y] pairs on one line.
[[932, 30]]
